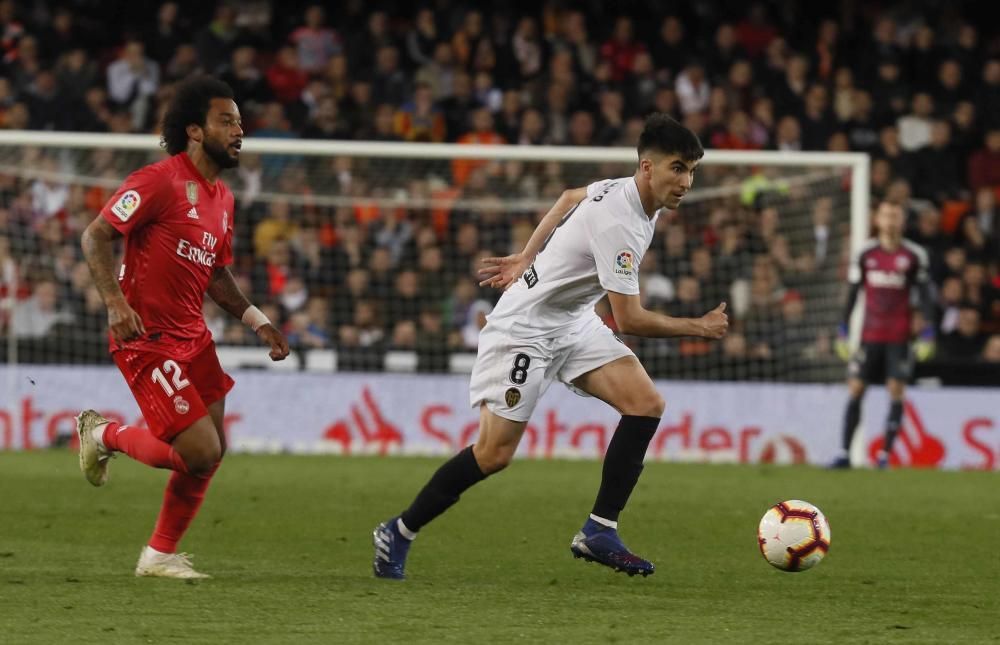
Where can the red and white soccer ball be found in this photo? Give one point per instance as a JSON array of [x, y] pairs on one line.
[[794, 535]]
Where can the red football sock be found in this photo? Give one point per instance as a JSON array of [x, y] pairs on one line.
[[142, 446], [181, 502]]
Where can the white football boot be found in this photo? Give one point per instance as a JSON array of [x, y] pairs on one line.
[[94, 457], [152, 563]]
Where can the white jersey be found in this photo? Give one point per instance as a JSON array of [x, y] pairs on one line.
[[596, 248]]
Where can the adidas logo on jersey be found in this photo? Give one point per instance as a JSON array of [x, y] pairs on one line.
[[193, 214]]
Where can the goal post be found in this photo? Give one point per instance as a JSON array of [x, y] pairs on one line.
[[366, 250]]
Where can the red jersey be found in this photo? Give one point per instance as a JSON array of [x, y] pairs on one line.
[[177, 228], [888, 278]]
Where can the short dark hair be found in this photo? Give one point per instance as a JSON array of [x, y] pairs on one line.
[[190, 104], [665, 135]]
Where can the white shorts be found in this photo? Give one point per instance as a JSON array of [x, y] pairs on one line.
[[512, 374]]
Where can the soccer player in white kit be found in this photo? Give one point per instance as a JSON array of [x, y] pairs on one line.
[[544, 328]]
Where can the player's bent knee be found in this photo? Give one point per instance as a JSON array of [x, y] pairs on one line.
[[650, 404], [493, 459], [202, 461]]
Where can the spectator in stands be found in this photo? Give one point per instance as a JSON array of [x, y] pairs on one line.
[[430, 263], [433, 343], [915, 127], [420, 119], [250, 88], [889, 92], [928, 234], [788, 136], [183, 63], [217, 40], [24, 63], [966, 342], [423, 39], [991, 349], [302, 332], [988, 95], [389, 83], [949, 302], [817, 121], [693, 89], [314, 41], [345, 298], [475, 322], [366, 330], [169, 31], [285, 78], [482, 133], [949, 90], [937, 167], [36, 316], [621, 49], [133, 80], [984, 164], [327, 122]]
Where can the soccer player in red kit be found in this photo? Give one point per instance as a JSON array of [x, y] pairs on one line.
[[889, 267], [176, 216]]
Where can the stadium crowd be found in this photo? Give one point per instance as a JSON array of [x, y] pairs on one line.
[[916, 88]]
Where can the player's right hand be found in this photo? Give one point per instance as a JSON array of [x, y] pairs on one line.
[[124, 322], [715, 323], [502, 273], [842, 346], [273, 337]]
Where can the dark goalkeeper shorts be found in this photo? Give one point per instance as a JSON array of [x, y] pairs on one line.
[[876, 362]]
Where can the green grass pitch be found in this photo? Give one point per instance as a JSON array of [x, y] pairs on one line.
[[915, 557]]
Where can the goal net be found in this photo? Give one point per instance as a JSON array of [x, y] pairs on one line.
[[366, 252]]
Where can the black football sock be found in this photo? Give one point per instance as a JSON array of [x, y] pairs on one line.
[[892, 425], [851, 419], [452, 479], [623, 464]]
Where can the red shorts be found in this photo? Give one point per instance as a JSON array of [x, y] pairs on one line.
[[173, 394]]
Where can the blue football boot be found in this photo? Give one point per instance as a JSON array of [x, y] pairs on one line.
[[601, 544], [840, 463], [390, 550]]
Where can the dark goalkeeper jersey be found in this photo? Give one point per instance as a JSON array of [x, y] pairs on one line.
[[888, 278]]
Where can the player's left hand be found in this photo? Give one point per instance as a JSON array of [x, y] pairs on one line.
[[273, 337], [923, 347], [502, 273]]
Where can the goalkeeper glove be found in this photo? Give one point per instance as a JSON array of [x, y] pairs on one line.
[[841, 345], [923, 347]]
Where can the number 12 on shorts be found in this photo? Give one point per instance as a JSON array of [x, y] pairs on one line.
[[170, 367]]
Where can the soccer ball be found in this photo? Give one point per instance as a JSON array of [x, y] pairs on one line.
[[794, 535]]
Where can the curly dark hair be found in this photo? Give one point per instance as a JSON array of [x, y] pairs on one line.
[[190, 106], [665, 135]]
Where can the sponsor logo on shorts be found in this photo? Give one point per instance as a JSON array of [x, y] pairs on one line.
[[125, 207], [181, 404], [624, 262], [512, 396]]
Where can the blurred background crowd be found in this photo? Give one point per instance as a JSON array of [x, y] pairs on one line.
[[360, 256]]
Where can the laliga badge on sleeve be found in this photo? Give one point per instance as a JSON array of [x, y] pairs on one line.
[[126, 205]]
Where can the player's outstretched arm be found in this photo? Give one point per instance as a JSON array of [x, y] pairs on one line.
[[635, 320], [503, 272], [97, 243], [226, 293]]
